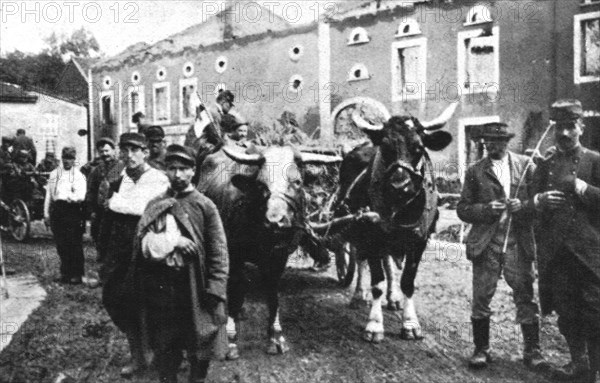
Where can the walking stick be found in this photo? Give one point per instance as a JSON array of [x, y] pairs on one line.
[[521, 179]]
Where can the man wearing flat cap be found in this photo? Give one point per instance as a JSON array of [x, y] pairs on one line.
[[98, 182], [489, 197], [180, 267], [156, 146], [63, 210], [126, 201], [23, 142], [566, 186]]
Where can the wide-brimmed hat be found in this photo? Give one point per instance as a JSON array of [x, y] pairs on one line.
[[105, 141], [133, 139], [497, 131], [182, 153], [566, 110]]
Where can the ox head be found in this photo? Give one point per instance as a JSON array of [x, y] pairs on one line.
[[403, 141], [276, 184]]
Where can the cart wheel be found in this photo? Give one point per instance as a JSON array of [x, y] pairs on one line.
[[20, 223], [345, 263]]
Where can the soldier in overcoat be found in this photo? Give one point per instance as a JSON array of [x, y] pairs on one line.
[[566, 188]]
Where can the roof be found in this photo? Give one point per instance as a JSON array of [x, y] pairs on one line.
[[84, 64], [15, 94], [348, 9], [209, 32]]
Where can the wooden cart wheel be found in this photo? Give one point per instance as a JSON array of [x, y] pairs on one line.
[[345, 264], [19, 221]]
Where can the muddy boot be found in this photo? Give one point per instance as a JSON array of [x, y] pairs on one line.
[[578, 370], [532, 354], [481, 337], [198, 370]]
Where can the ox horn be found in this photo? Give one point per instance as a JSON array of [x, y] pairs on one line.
[[363, 124], [441, 120], [244, 158], [319, 159]]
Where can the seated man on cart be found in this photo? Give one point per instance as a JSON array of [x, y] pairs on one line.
[[19, 178]]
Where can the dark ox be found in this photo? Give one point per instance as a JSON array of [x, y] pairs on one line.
[[260, 198], [392, 176]]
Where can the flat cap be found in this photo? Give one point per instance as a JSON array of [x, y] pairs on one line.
[[69, 153], [154, 133], [133, 139], [566, 110], [182, 153], [496, 130], [227, 96], [105, 141]]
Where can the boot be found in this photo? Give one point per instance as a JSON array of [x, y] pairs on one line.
[[138, 361], [578, 370], [481, 337], [198, 370], [532, 354]]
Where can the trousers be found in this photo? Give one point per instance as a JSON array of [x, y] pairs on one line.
[[65, 222], [518, 272]]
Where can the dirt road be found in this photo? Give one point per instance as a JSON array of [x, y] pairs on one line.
[[71, 333]]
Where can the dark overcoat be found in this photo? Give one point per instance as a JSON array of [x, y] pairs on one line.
[[575, 227]]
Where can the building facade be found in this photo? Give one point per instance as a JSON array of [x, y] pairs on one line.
[[499, 60]]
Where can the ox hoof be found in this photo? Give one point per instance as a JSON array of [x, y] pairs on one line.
[[277, 347], [233, 353], [394, 306], [373, 337], [411, 334], [358, 303]]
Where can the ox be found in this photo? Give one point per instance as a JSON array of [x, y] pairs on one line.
[[260, 198], [393, 177]]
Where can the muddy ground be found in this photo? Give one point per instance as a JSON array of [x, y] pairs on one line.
[[71, 333]]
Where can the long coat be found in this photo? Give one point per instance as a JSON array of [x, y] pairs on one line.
[[207, 273], [575, 227], [481, 187]]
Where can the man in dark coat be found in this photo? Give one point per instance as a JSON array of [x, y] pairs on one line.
[[566, 186], [156, 146], [127, 199], [23, 142], [182, 265], [488, 198], [99, 180]]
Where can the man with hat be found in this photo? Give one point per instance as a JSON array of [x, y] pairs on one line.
[[236, 130], [139, 119], [63, 210], [98, 182], [206, 132], [156, 146], [489, 196], [127, 198], [182, 265], [24, 142], [566, 186]]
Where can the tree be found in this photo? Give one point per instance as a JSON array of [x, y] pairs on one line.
[[44, 69]]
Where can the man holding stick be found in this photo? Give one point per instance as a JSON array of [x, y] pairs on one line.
[[566, 185], [489, 197]]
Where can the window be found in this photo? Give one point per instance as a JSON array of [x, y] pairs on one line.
[[296, 52], [296, 83], [188, 69], [135, 101], [136, 77], [358, 36], [106, 82], [478, 60], [478, 14], [187, 88], [409, 68], [106, 107], [409, 27], [469, 145], [358, 72], [586, 47], [221, 64], [161, 74], [161, 103]]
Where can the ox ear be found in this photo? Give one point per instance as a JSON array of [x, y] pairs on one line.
[[437, 141], [245, 183]]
